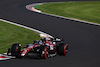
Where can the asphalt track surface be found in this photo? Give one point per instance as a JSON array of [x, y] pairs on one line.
[[83, 39]]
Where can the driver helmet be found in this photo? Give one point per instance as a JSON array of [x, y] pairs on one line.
[[40, 42]]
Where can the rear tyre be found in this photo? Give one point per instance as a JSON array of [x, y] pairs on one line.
[[62, 49], [15, 50], [44, 52]]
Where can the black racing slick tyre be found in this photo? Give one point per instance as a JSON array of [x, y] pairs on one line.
[[43, 52], [15, 50], [62, 49]]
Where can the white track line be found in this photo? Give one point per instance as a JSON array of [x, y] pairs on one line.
[[72, 19], [40, 32]]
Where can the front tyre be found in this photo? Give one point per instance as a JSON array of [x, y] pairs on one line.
[[15, 50], [62, 49]]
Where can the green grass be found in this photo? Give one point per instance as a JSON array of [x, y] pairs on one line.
[[86, 10], [10, 34]]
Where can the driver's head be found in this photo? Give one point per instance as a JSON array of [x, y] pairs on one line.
[[40, 42], [43, 39]]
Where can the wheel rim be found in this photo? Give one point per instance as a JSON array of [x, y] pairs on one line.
[[65, 50], [46, 54], [17, 49]]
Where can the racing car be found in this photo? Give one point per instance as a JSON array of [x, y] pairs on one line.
[[44, 48]]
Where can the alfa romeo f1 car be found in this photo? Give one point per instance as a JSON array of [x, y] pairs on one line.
[[44, 48]]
